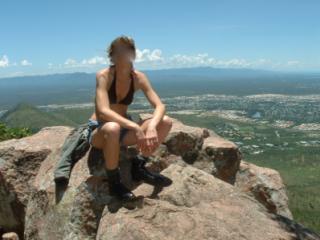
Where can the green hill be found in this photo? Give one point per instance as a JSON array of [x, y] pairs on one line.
[[26, 115]]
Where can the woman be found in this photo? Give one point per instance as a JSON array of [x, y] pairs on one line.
[[111, 126]]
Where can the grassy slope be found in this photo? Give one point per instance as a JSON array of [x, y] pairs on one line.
[[26, 115]]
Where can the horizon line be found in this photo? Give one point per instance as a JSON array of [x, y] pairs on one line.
[[177, 68]]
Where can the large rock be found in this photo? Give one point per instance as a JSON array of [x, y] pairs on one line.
[[196, 206], [34, 207], [73, 211], [265, 185], [20, 160], [223, 156]]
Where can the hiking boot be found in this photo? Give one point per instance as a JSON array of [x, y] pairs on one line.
[[116, 187], [61, 180], [141, 173]]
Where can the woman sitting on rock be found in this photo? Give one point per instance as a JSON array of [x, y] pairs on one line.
[[111, 126]]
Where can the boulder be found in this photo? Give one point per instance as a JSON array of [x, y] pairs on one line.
[[196, 206], [266, 185], [20, 161], [223, 156]]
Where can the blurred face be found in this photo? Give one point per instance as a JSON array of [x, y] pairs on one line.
[[123, 54]]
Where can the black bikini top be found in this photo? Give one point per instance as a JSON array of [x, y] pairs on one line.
[[112, 92]]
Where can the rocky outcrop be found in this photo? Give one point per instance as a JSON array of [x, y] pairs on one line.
[[20, 161], [196, 206], [223, 157], [265, 185], [214, 195]]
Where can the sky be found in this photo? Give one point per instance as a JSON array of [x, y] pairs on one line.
[[44, 37]]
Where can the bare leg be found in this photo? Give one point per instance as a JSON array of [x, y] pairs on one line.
[[107, 139]]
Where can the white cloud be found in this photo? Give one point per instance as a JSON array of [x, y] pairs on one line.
[[70, 62], [4, 61], [97, 60], [146, 55], [25, 62], [203, 59], [154, 59]]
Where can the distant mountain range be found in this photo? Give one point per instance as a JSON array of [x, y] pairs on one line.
[[79, 87]]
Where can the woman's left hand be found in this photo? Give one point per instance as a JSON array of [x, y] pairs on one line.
[[151, 137]]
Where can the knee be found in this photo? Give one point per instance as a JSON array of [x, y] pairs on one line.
[[111, 129], [167, 121]]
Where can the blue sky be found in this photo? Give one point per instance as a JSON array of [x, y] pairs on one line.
[[40, 37]]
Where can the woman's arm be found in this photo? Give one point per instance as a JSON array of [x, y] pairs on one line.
[[154, 100], [102, 105]]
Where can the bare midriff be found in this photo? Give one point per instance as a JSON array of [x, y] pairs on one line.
[[118, 108]]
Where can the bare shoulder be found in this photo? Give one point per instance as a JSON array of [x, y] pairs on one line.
[[102, 76], [139, 73], [103, 73], [141, 78]]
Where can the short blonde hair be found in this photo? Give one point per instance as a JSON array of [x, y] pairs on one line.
[[126, 40]]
